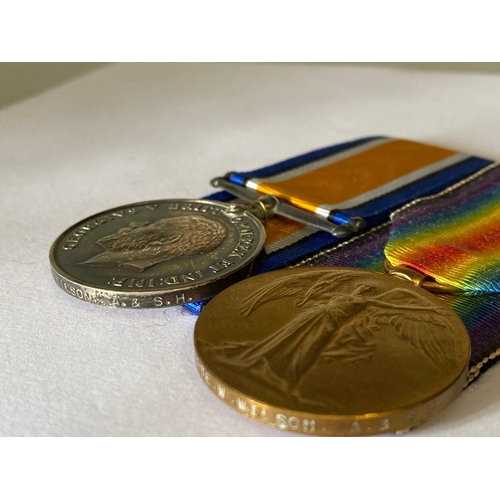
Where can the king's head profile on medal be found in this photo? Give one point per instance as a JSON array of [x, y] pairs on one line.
[[157, 254], [142, 245]]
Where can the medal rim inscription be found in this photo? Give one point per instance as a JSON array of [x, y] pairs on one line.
[[208, 287], [332, 424]]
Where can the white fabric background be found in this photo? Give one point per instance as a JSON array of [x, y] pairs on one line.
[[134, 132]]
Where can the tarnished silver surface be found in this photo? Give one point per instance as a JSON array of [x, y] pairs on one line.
[[158, 253]]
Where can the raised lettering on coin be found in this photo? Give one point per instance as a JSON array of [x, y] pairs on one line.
[[157, 254]]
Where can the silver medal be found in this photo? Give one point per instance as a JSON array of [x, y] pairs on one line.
[[158, 253]]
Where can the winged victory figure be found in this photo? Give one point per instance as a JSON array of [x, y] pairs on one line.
[[337, 320]]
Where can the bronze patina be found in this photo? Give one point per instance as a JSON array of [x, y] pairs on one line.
[[332, 351]]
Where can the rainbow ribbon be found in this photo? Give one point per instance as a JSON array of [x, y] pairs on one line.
[[453, 237], [479, 312]]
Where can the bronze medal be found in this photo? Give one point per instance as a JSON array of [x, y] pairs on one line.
[[332, 351], [158, 253]]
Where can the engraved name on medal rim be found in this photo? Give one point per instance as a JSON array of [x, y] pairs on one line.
[[387, 373], [113, 258]]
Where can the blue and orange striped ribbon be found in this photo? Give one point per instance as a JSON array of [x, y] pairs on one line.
[[368, 178]]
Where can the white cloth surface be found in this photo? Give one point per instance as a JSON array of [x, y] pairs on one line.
[[135, 132]]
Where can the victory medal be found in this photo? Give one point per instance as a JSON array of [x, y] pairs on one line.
[[341, 351], [332, 351]]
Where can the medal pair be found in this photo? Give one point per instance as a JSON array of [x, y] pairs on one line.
[[323, 351]]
